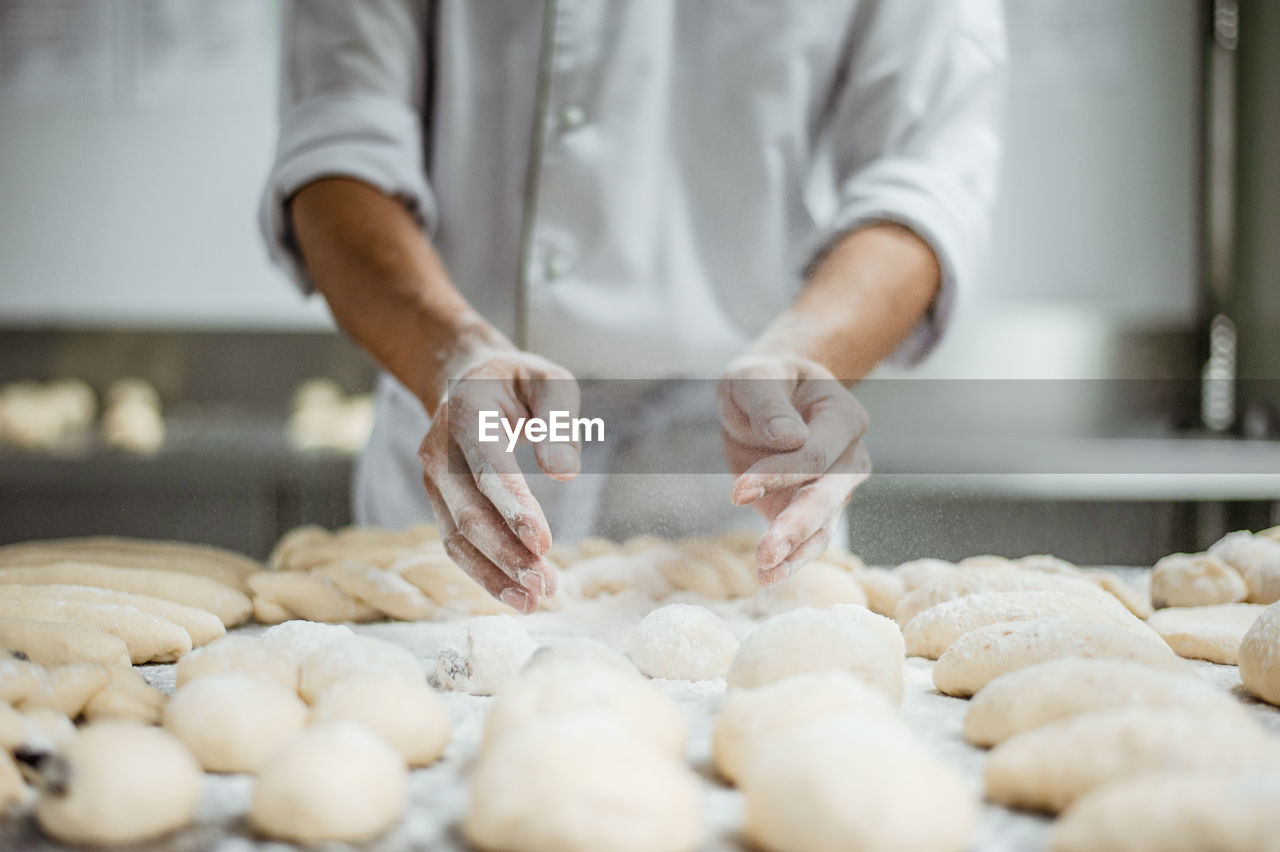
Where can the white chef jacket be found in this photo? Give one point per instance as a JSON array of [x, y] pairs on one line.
[[633, 188]]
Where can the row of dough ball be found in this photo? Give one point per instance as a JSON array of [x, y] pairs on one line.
[[1240, 567], [54, 415]]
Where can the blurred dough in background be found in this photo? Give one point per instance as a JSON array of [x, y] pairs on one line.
[[131, 419], [324, 418]]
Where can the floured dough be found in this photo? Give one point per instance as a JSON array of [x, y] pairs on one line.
[[750, 717], [126, 697], [1003, 578], [1259, 656], [1195, 579], [124, 783], [932, 631], [845, 637], [917, 572], [305, 594], [1257, 558], [448, 585], [1210, 633], [359, 655], [683, 642], [1050, 767], [564, 688], [818, 585], [1175, 812], [149, 638], [382, 589], [234, 722], [66, 689], [489, 654], [1043, 693], [579, 649], [560, 784], [203, 627], [299, 638], [405, 713], [241, 654], [883, 589], [988, 652], [19, 678], [333, 782], [851, 783]]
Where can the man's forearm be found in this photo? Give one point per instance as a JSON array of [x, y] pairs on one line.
[[861, 301], [385, 284]]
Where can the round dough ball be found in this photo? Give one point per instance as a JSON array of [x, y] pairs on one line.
[[581, 783], [560, 688], [1259, 656], [579, 649], [848, 782], [683, 642], [125, 783], [818, 585], [917, 572], [243, 655], [843, 637], [234, 722], [353, 657], [333, 782], [750, 717], [405, 713], [491, 654], [883, 589], [1257, 558], [300, 637], [1195, 579]]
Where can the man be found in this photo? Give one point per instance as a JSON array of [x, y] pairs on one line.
[[520, 193]]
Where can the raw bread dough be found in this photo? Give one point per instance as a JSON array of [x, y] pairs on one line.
[[1259, 656], [1175, 812], [15, 795], [405, 713], [932, 631], [845, 637], [1195, 579], [359, 655], [436, 575], [19, 678], [243, 654], [224, 566], [565, 688], [750, 717], [710, 570], [234, 722], [382, 589], [1003, 578], [818, 585], [989, 652], [300, 637], [1257, 558], [67, 689], [333, 782], [489, 655], [616, 573], [683, 642], [203, 627], [1050, 767], [1043, 693], [883, 589], [306, 594], [579, 649], [124, 783], [148, 638], [230, 605], [917, 572], [581, 783], [852, 783], [1210, 633], [128, 697]]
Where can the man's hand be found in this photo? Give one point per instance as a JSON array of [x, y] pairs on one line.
[[793, 434], [490, 522]]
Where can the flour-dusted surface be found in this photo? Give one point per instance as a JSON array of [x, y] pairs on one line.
[[438, 793]]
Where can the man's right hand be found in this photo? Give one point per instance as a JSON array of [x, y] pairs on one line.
[[490, 522]]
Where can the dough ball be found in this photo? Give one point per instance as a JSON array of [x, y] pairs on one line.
[[490, 655], [852, 783], [127, 696], [68, 688], [976, 658], [300, 637], [1175, 812], [750, 717], [242, 655], [1259, 656], [579, 650], [683, 642], [333, 782], [1257, 558], [14, 792], [1195, 579], [845, 637], [19, 677], [123, 783], [616, 573], [1048, 768], [883, 589], [917, 572], [818, 585], [353, 657], [1212, 633], [581, 783], [1003, 578], [234, 722], [1043, 693], [560, 688], [403, 712]]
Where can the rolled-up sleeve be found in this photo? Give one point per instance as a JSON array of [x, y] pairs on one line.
[[916, 136], [353, 83]]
